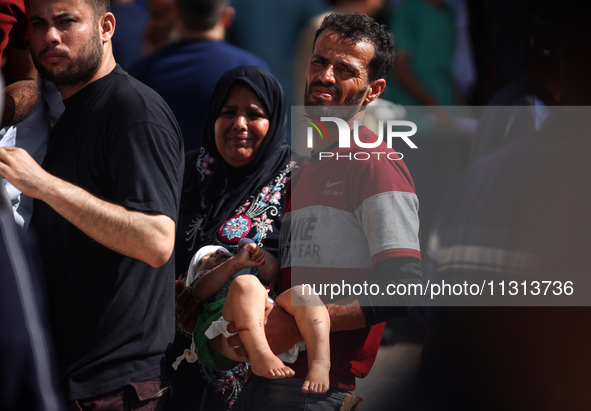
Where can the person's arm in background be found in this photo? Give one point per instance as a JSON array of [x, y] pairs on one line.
[[405, 24], [405, 74], [22, 93]]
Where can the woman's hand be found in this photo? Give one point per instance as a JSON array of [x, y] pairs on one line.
[[187, 307]]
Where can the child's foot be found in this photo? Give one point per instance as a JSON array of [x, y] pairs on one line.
[[317, 380], [268, 365]]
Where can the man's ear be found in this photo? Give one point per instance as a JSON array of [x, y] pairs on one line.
[[228, 17], [107, 26], [374, 90]]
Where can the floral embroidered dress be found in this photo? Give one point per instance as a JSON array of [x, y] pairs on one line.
[[221, 204], [256, 218]]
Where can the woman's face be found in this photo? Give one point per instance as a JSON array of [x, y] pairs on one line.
[[241, 126]]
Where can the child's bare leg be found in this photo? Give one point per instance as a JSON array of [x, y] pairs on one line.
[[245, 305], [314, 324]]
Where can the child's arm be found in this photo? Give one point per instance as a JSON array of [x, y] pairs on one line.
[[213, 280], [269, 268], [269, 271]]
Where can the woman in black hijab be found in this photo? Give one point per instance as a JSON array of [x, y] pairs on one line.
[[233, 188], [222, 203]]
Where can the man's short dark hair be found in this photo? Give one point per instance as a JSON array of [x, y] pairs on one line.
[[99, 7], [358, 27], [201, 15]]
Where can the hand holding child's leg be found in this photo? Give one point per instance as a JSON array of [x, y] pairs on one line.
[[245, 305]]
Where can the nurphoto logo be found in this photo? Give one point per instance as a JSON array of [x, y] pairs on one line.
[[393, 129]]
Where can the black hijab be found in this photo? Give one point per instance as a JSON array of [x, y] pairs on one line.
[[211, 194]]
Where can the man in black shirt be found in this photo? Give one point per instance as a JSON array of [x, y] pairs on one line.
[[106, 205]]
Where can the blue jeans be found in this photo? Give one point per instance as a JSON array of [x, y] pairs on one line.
[[261, 394]]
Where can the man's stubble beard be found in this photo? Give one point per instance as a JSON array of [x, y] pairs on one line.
[[348, 110], [80, 70]]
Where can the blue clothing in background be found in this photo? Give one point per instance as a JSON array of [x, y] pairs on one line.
[[271, 29], [128, 41], [185, 73]]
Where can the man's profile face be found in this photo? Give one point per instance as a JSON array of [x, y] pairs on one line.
[[338, 71], [65, 40]]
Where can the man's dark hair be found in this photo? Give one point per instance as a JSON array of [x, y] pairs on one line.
[[201, 15], [99, 7], [359, 27]]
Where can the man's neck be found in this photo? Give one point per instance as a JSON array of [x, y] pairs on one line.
[[106, 67], [217, 34]]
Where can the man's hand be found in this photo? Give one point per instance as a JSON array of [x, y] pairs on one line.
[[187, 307], [280, 328], [22, 171]]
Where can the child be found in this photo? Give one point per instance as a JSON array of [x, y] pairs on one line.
[[244, 305]]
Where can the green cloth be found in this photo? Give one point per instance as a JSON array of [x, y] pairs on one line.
[[207, 356], [427, 33]]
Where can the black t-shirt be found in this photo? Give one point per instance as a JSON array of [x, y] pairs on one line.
[[112, 316]]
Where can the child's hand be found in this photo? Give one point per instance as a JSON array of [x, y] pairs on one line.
[[251, 255]]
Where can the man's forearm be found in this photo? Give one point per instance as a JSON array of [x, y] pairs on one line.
[[409, 80], [346, 317], [397, 271], [144, 236], [351, 315]]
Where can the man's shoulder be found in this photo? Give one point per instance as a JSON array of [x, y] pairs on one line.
[[233, 56], [207, 54], [127, 88], [146, 64], [131, 101]]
